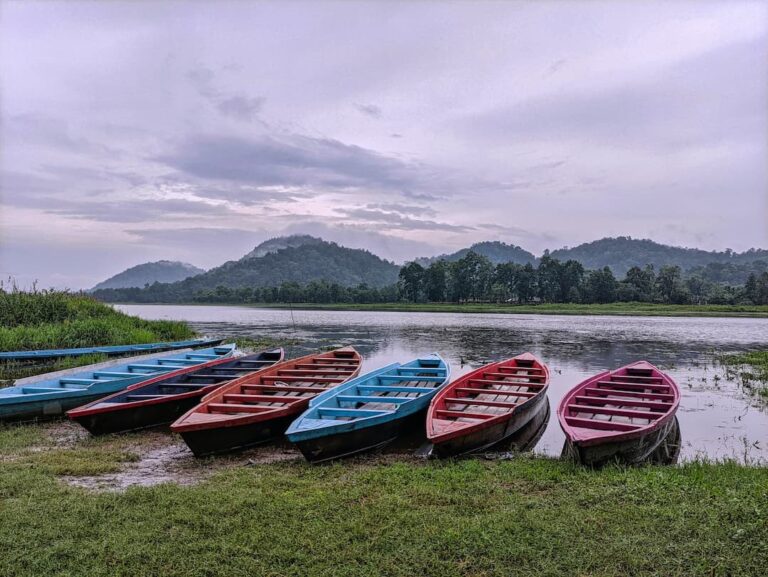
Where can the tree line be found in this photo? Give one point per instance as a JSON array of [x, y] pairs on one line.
[[474, 278]]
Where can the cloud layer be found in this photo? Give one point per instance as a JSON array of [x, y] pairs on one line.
[[131, 132]]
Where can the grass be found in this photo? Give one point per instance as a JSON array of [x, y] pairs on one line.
[[751, 369], [529, 516], [59, 319], [617, 309]]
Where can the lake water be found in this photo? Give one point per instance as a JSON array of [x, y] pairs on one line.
[[717, 418]]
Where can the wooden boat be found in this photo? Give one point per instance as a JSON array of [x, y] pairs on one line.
[[163, 399], [110, 351], [258, 408], [370, 411], [487, 406], [45, 398], [619, 416]]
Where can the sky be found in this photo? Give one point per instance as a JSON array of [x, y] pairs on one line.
[[139, 131]]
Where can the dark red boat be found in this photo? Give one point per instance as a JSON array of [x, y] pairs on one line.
[[619, 416], [487, 406], [258, 408], [163, 399]]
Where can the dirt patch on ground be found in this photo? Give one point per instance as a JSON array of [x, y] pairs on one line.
[[164, 458]]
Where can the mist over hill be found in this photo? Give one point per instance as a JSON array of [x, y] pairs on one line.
[[163, 271]]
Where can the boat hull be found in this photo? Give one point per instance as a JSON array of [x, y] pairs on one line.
[[632, 451], [132, 418], [206, 442], [484, 438], [348, 443], [44, 410]]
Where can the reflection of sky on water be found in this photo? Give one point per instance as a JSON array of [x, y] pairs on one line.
[[716, 419]]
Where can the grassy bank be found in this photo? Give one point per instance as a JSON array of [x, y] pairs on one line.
[[751, 369], [377, 516], [50, 319], [618, 309], [53, 319]]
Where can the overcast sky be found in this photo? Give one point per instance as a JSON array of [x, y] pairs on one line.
[[138, 131]]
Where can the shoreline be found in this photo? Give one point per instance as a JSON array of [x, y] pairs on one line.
[[613, 309]]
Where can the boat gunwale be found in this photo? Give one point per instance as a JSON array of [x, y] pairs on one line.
[[276, 412], [608, 436], [494, 419], [92, 409], [372, 420]]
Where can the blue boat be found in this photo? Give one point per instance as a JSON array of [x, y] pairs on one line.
[[52, 397], [111, 351], [369, 411]]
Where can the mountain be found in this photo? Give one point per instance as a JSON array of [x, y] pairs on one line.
[[497, 252], [275, 244], [622, 253], [149, 273], [309, 261]]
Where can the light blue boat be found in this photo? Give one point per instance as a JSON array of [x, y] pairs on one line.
[[369, 411], [51, 397], [114, 350]]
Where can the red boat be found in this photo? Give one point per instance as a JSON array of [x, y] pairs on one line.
[[487, 406], [619, 416], [258, 408]]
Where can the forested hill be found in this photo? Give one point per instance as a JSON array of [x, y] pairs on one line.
[[300, 264], [495, 251], [149, 273], [622, 253]]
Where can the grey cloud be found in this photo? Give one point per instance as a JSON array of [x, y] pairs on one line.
[[121, 211], [297, 161], [237, 106], [393, 220], [404, 208], [241, 107], [673, 108], [369, 110]]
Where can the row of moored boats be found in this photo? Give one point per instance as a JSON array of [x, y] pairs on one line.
[[219, 401]]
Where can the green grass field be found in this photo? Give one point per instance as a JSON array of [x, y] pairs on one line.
[[386, 515], [631, 309]]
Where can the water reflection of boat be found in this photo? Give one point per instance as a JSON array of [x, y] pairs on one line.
[[620, 416], [487, 406]]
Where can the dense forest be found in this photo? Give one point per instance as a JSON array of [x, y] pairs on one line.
[[623, 252], [292, 265], [474, 278]]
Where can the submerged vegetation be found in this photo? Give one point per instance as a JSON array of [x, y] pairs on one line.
[[374, 516], [751, 369]]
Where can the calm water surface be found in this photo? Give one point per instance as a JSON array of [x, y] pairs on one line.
[[717, 419]]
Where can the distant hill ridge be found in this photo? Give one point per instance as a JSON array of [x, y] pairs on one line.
[[304, 258], [497, 252], [624, 252], [164, 271]]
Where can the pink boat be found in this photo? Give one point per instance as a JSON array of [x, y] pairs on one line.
[[622, 416]]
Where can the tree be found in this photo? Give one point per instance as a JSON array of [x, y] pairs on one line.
[[549, 273], [410, 281], [750, 289], [526, 285], [600, 286], [642, 282], [670, 286], [436, 281]]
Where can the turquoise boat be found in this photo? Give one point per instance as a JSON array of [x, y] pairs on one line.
[[369, 411], [48, 398], [110, 351]]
